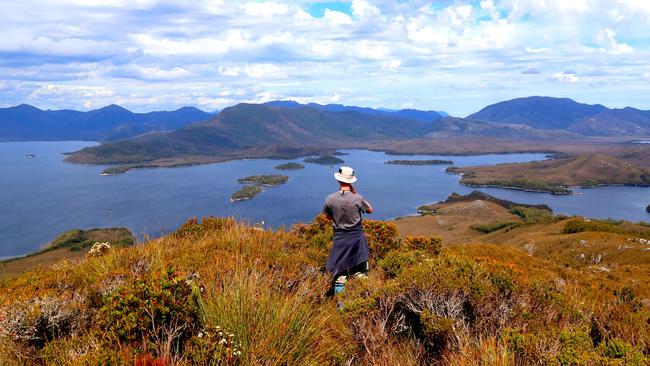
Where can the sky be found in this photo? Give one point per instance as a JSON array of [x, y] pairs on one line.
[[457, 56]]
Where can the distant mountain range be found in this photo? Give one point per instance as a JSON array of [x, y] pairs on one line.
[[548, 113], [422, 116], [289, 129], [25, 122]]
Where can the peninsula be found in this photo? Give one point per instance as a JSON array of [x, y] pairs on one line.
[[556, 176]]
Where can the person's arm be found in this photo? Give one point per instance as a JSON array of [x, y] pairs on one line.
[[366, 207], [327, 211]]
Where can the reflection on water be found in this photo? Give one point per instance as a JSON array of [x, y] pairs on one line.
[[43, 196]]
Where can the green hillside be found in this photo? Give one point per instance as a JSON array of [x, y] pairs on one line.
[[237, 131]]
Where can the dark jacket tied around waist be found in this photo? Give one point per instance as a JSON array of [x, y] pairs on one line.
[[350, 250]]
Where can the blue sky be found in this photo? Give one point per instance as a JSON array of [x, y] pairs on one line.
[[456, 56]]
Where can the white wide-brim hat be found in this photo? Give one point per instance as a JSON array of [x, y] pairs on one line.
[[345, 175]]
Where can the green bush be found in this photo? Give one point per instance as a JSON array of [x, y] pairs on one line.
[[494, 226], [157, 313], [576, 349], [396, 261], [438, 331], [581, 225], [193, 227], [532, 215]]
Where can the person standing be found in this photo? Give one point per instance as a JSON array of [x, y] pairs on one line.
[[349, 254]]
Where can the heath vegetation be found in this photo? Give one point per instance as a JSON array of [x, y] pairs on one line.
[[222, 292]]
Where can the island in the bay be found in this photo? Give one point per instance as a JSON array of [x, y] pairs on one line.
[[269, 180], [324, 160], [245, 193], [290, 166], [420, 162], [251, 191]]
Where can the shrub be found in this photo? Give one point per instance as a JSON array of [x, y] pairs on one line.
[[382, 237], [616, 348], [33, 323], [576, 349], [162, 313], [494, 226], [396, 261], [430, 245], [193, 227], [438, 331], [318, 233], [580, 225], [532, 215]]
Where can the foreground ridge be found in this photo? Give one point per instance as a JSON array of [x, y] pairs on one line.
[[226, 291]]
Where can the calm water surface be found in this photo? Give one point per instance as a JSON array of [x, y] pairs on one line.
[[44, 196]]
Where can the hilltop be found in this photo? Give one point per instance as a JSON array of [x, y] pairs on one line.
[[179, 298], [249, 131], [556, 175], [619, 248], [566, 114]]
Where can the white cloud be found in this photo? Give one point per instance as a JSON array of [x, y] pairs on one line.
[[337, 18], [229, 71], [265, 9], [566, 77], [363, 9], [157, 54], [607, 39], [259, 71]]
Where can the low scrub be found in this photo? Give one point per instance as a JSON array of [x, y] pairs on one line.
[[491, 227], [578, 225]]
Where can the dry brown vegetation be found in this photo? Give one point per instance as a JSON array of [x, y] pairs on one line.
[[176, 300]]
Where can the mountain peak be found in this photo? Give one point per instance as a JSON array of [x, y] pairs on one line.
[[538, 112], [113, 108], [25, 107]]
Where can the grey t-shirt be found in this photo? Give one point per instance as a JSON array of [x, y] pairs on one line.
[[345, 208]]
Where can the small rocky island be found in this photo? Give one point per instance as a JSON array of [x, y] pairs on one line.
[[250, 191], [290, 166], [245, 193], [647, 209], [265, 180], [420, 162], [324, 160]]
